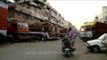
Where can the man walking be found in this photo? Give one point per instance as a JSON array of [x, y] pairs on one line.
[[46, 36]]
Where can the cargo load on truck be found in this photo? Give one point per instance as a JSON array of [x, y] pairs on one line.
[[40, 28]]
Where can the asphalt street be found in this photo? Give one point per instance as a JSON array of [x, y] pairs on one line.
[[50, 50]]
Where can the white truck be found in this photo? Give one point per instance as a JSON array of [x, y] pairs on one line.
[[98, 44]]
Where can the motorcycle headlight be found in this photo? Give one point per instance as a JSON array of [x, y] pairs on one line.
[[67, 49]]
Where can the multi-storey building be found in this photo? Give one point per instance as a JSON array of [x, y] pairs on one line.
[[102, 17], [39, 15], [105, 14]]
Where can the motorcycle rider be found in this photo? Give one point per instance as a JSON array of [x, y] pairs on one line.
[[72, 36], [68, 40]]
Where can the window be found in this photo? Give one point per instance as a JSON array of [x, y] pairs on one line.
[[27, 6], [88, 29], [35, 9], [28, 17], [22, 4]]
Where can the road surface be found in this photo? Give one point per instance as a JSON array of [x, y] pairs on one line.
[[50, 50]]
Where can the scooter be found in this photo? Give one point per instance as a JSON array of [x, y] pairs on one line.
[[66, 48]]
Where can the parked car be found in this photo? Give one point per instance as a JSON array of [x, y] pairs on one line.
[[97, 45]]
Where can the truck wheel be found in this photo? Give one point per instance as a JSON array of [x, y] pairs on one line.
[[2, 38], [95, 49], [42, 39], [10, 39]]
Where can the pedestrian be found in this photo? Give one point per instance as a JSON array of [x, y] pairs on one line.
[[45, 36], [72, 36]]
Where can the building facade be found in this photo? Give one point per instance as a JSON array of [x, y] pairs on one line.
[[105, 14], [102, 17], [39, 15]]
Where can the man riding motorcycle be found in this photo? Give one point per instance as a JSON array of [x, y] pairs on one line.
[[72, 36], [68, 40]]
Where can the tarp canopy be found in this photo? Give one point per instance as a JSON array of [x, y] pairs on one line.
[[89, 23]]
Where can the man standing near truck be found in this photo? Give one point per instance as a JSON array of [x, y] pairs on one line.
[[46, 36]]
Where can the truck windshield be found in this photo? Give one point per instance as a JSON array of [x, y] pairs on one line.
[[85, 29]]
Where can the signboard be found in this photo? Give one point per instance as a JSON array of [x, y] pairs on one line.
[[23, 27]]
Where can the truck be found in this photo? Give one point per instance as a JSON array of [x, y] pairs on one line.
[[18, 30], [3, 19], [39, 29], [92, 30], [13, 28]]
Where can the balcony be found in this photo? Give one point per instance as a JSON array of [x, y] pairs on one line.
[[33, 3], [22, 9], [53, 21], [41, 1]]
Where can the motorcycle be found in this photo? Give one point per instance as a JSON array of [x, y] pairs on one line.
[[66, 48]]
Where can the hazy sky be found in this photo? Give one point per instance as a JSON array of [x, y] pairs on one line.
[[77, 12]]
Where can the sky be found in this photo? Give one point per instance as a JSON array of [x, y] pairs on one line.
[[78, 11]]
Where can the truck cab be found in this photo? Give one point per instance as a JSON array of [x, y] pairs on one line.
[[92, 30], [85, 33]]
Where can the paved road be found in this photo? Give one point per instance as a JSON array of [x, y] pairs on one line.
[[51, 50]]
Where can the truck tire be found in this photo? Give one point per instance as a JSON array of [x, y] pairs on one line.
[[2, 38], [95, 49], [42, 39], [10, 39]]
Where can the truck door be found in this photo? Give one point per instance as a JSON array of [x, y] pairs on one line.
[[3, 18]]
